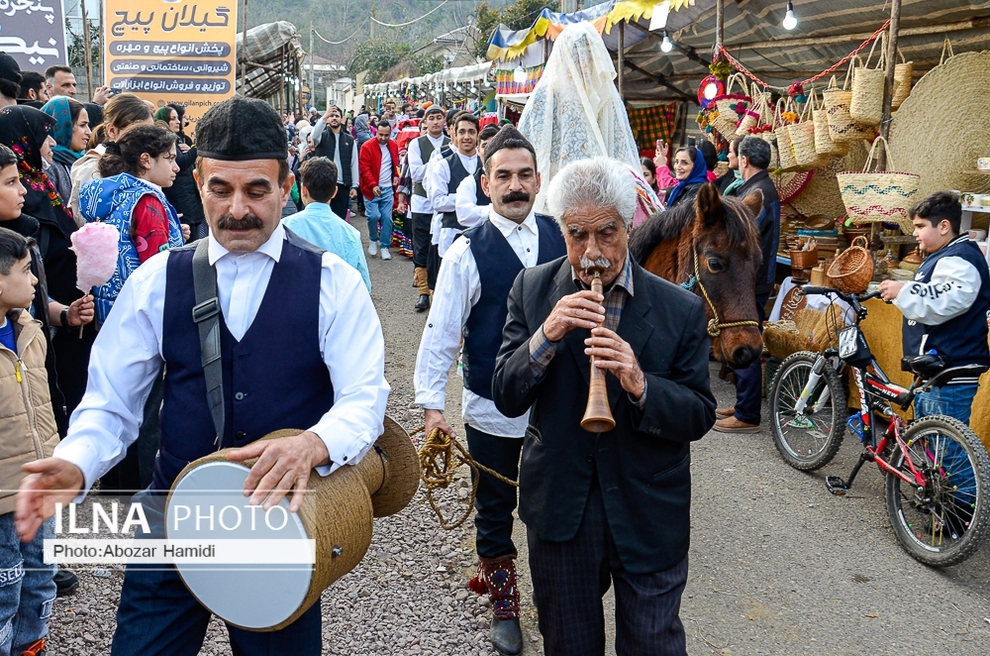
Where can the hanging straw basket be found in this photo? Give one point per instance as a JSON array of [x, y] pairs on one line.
[[871, 196], [903, 79], [802, 136], [753, 116], [852, 269], [866, 104], [729, 108], [782, 133], [841, 127], [824, 145]]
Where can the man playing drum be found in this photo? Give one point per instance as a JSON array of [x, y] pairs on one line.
[[300, 346]]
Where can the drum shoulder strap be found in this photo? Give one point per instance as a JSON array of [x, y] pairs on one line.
[[206, 315]]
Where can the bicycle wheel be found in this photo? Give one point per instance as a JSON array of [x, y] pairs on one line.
[[943, 521], [810, 439]]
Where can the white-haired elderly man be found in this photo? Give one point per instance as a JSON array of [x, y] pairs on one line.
[[617, 501]]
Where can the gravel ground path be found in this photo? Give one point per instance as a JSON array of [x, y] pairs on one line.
[[778, 565]]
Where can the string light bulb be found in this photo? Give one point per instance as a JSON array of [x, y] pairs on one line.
[[666, 45], [790, 20]]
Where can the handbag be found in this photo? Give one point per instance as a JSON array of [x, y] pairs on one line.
[[866, 104], [871, 196], [731, 106], [784, 149], [841, 126]]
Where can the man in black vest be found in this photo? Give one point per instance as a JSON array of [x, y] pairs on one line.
[[328, 379], [473, 284], [339, 147], [420, 151], [610, 506], [445, 175]]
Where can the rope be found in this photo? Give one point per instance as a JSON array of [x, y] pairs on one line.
[[828, 71], [337, 43], [439, 457], [375, 20], [714, 325]]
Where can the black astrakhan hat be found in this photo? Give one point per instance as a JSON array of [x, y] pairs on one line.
[[241, 128]]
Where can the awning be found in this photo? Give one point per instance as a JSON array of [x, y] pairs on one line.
[[273, 53]]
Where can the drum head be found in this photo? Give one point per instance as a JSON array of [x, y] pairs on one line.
[[250, 596]]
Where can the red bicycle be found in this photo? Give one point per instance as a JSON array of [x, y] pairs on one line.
[[936, 467]]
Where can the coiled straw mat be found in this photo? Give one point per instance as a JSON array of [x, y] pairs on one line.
[[943, 126], [821, 196]]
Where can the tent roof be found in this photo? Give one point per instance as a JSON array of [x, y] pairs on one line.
[[273, 53], [827, 31]]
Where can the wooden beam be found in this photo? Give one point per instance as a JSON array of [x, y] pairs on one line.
[[971, 24], [888, 87], [662, 81], [719, 26]]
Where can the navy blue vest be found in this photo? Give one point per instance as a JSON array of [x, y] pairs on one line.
[[498, 266], [457, 174], [270, 381], [964, 338], [328, 144], [482, 198]]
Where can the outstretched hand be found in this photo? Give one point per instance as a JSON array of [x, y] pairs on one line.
[[284, 465], [50, 481]]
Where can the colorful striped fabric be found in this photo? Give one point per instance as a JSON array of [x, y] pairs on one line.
[[652, 123]]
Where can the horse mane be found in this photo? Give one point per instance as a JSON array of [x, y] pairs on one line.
[[740, 228]]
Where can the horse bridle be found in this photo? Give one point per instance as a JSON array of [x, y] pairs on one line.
[[714, 325]]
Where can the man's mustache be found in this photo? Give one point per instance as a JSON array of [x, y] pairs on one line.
[[515, 196], [248, 222], [602, 263]]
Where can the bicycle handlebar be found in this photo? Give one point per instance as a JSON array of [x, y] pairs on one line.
[[852, 299]]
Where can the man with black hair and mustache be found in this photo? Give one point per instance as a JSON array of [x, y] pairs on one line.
[[470, 300]]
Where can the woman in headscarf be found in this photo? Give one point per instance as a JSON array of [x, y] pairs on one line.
[[575, 111], [691, 172], [26, 131], [184, 138], [71, 133], [183, 194]]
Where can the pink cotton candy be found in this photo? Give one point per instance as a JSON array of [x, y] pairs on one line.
[[95, 245]]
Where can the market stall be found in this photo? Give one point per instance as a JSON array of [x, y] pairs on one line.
[[467, 87]]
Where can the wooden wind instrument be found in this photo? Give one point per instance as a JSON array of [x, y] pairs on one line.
[[597, 414]]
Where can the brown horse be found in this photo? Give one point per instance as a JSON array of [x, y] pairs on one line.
[[711, 247]]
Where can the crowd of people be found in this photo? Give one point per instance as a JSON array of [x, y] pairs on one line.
[[510, 236]]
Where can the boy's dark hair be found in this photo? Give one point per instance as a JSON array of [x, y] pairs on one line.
[[319, 176], [124, 155], [13, 249], [470, 118], [488, 132], [31, 81], [7, 156], [507, 138], [940, 206]]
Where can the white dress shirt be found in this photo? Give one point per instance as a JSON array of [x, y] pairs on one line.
[[457, 291], [443, 200], [417, 171], [127, 356], [317, 136], [469, 213]]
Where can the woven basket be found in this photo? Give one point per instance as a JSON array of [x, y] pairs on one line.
[[841, 127], [957, 88], [782, 338], [728, 106], [866, 104], [781, 133], [802, 136], [852, 269], [824, 145], [903, 79], [879, 195]]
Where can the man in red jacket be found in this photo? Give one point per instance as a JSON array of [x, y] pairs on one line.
[[378, 164]]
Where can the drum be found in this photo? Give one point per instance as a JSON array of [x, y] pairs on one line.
[[206, 503]]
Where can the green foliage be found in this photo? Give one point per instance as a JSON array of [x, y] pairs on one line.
[[77, 49], [378, 56], [518, 15]]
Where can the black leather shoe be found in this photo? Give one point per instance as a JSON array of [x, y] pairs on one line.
[[423, 303], [66, 582], [506, 637]]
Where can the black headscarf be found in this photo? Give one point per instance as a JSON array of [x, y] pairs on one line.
[[24, 130]]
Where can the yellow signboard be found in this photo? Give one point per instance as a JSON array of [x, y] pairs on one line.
[[171, 51]]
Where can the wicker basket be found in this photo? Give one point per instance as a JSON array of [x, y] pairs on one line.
[[866, 104], [728, 106], [852, 269], [903, 79], [824, 145], [841, 127], [782, 134], [881, 195], [804, 259], [802, 136]]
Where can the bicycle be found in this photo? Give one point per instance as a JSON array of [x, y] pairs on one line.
[[936, 467]]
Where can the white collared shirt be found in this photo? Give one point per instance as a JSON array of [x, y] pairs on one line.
[[417, 171], [442, 200], [127, 356], [458, 289], [469, 213]]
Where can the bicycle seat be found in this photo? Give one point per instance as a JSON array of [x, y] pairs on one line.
[[926, 366]]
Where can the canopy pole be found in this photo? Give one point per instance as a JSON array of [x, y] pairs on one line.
[[719, 26], [888, 87], [244, 49], [90, 84], [622, 60]]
